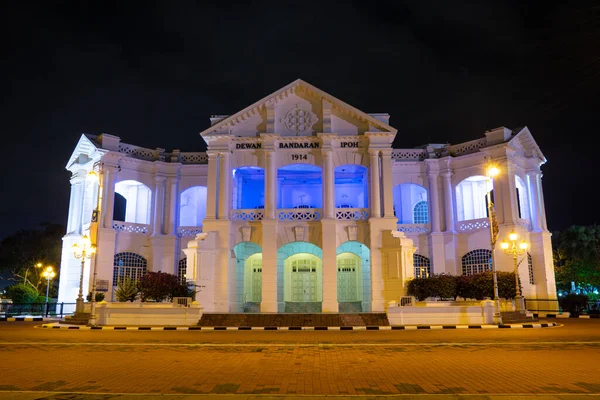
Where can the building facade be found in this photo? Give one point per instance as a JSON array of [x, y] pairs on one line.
[[300, 204]]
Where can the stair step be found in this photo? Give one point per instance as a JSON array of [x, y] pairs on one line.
[[294, 319]]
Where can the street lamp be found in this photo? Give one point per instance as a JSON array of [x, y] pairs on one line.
[[84, 249], [97, 178], [492, 171], [515, 250], [48, 274]]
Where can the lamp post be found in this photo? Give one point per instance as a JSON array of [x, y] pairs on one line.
[[515, 250], [491, 172], [48, 274], [97, 177], [84, 249]]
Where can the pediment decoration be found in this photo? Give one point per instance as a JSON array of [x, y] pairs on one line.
[[525, 143], [298, 120], [87, 148]]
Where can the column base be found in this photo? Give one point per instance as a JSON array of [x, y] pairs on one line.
[[268, 307], [330, 307]]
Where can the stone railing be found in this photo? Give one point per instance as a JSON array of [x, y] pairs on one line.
[[353, 214], [468, 147], [193, 158], [248, 215], [189, 230], [138, 152], [143, 153], [413, 229], [409, 154], [131, 227], [299, 214], [473, 225]]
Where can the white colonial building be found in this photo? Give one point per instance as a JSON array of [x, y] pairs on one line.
[[300, 204]]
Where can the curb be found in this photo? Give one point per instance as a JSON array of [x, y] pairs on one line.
[[580, 316], [21, 319], [296, 328]]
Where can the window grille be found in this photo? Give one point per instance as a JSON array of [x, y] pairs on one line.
[[421, 213], [182, 270], [477, 261], [530, 269], [128, 265], [422, 266]]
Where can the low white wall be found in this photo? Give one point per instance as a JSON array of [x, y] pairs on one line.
[[443, 314], [147, 314]]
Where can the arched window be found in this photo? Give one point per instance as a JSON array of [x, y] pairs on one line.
[[248, 188], [182, 270], [407, 197], [530, 269], [139, 198], [477, 261], [522, 198], [421, 213], [351, 190], [192, 206], [128, 265], [422, 266], [471, 198]]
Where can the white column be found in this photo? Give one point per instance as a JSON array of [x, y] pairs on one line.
[[76, 203], [328, 185], [448, 196], [159, 203], [541, 201], [224, 186], [386, 173], [173, 206], [108, 188], [213, 186], [270, 190], [532, 188], [375, 190], [434, 203]]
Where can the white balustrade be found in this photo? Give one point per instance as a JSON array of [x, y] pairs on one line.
[[247, 215], [352, 214], [413, 229], [188, 230], [473, 225], [131, 227], [299, 214]]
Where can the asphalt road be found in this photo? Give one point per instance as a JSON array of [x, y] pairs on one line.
[[549, 361]]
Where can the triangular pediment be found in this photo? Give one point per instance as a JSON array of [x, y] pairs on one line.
[[524, 142], [298, 109], [85, 151]]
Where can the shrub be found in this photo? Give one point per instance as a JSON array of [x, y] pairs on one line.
[[464, 287], [574, 303], [158, 286], [506, 285], [126, 290], [21, 293], [99, 296], [444, 286], [421, 288]]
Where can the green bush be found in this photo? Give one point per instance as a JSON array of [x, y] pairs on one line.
[[127, 290], [158, 286], [574, 303], [506, 285], [444, 286], [21, 293], [421, 288], [99, 296]]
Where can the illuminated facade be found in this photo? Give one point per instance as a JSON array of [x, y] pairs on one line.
[[301, 205]]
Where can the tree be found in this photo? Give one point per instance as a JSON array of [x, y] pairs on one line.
[[158, 286], [577, 258], [21, 293], [20, 251]]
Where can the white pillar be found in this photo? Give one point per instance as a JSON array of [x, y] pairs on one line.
[[270, 190], [76, 203], [448, 196], [386, 173], [159, 203], [541, 201], [213, 186], [535, 207], [328, 185], [434, 203], [375, 190], [108, 186], [224, 186], [173, 205]]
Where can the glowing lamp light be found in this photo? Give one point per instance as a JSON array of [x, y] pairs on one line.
[[77, 250], [504, 245], [38, 265], [513, 236], [493, 171], [523, 245], [92, 176]]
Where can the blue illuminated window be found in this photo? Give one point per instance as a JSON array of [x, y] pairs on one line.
[[299, 186], [249, 188], [421, 213], [351, 186]]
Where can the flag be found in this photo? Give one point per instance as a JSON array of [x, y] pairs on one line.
[[495, 228]]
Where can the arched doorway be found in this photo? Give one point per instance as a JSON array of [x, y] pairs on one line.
[[248, 272], [299, 278], [348, 277], [253, 280], [354, 277]]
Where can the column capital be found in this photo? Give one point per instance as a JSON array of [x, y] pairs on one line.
[[160, 178], [447, 174], [386, 152], [374, 152], [212, 154]]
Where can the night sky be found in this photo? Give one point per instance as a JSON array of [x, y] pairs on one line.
[[444, 71]]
